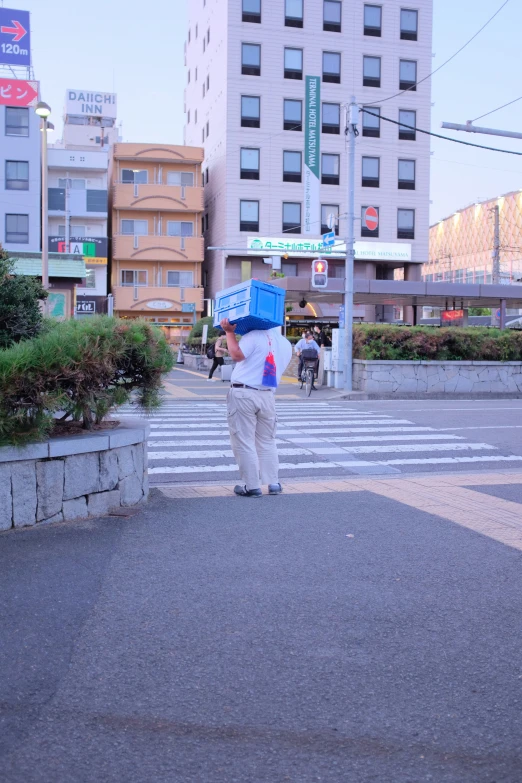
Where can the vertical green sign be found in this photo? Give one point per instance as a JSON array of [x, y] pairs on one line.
[[312, 154]]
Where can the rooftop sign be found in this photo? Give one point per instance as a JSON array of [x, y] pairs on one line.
[[90, 104], [364, 251], [15, 37]]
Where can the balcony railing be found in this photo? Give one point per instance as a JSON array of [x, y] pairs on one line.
[[158, 247], [181, 198]]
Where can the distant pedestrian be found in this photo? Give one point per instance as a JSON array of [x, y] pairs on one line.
[[219, 355], [321, 337], [262, 357]]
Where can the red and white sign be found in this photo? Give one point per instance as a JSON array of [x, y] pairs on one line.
[[371, 218], [17, 92]]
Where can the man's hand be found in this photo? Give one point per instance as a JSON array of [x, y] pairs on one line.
[[227, 326]]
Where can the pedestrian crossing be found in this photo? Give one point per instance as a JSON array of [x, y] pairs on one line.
[[189, 441]]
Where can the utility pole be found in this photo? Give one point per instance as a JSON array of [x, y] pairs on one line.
[[352, 133], [495, 272]]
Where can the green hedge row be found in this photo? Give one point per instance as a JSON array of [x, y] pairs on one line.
[[381, 341], [79, 370]]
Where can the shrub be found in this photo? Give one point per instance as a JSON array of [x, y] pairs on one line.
[[81, 370], [386, 342], [20, 297], [196, 332]]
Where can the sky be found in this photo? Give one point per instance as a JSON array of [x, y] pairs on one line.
[[136, 50]]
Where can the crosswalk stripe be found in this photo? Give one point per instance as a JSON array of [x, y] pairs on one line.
[[423, 437], [217, 454], [400, 447], [430, 461], [230, 468]]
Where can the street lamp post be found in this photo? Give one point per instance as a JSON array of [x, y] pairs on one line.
[[43, 110]]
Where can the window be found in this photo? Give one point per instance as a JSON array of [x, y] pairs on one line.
[[180, 279], [291, 217], [251, 11], [208, 35], [332, 67], [134, 277], [137, 228], [180, 178], [208, 129], [251, 59], [292, 115], [408, 75], [250, 111], [96, 201], [371, 124], [329, 169], [249, 163], [208, 82], [332, 16], [56, 199], [405, 224], [135, 177], [459, 275], [406, 175], [74, 184], [409, 24], [368, 232], [249, 215], [196, 116], [293, 63], [195, 74], [180, 228], [408, 121], [329, 209], [204, 45], [294, 13], [331, 118], [289, 269], [90, 279], [202, 135], [188, 117], [16, 175], [291, 166], [371, 71], [196, 31], [17, 229], [16, 121], [370, 172], [75, 230], [373, 20]]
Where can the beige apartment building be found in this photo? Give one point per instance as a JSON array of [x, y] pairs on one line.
[[156, 208]]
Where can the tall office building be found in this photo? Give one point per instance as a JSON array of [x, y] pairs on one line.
[[262, 123], [78, 191]]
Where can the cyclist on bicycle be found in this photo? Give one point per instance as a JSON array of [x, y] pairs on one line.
[[309, 346]]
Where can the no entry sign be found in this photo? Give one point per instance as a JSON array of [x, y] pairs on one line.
[[371, 218]]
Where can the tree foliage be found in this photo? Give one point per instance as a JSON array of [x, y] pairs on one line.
[[79, 370], [196, 332], [20, 297]]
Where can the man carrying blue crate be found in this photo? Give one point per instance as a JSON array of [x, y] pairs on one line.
[[262, 357]]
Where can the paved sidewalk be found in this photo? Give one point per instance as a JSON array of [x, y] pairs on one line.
[[344, 631]]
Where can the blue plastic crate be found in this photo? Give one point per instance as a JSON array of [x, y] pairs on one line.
[[251, 305]]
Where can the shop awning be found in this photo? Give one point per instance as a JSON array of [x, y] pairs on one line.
[[64, 265]]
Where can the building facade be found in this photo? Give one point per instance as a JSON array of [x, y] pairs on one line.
[[78, 192], [247, 103], [479, 244], [156, 201], [20, 179]]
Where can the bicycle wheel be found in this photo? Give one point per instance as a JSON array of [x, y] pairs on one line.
[[309, 381]]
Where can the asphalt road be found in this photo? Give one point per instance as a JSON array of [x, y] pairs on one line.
[[335, 637]]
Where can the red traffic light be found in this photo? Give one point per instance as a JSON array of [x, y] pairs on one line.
[[319, 266], [319, 273]]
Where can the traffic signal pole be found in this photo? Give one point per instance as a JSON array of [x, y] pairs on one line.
[[352, 133]]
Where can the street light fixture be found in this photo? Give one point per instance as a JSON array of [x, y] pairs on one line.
[[43, 110]]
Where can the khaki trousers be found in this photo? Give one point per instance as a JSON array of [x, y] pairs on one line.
[[252, 425]]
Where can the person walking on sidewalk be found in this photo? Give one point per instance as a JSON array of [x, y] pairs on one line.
[[219, 355], [262, 357]]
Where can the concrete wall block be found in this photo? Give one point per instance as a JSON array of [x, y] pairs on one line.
[[138, 456], [75, 509], [125, 462], [109, 470], [146, 486], [23, 482], [383, 376], [463, 385], [56, 518], [422, 385], [408, 385], [82, 475], [49, 488], [131, 491], [6, 498], [100, 503]]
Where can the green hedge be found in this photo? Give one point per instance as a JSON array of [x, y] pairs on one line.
[[79, 370], [380, 341], [196, 332]]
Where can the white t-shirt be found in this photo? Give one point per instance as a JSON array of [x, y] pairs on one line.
[[255, 347]]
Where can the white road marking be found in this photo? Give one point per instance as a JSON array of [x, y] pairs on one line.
[[408, 447], [429, 461], [217, 454], [380, 438], [230, 468]]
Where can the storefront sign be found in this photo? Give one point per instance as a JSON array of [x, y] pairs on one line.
[[92, 249], [364, 251], [188, 307], [159, 304], [86, 306], [312, 199], [454, 318], [90, 104]]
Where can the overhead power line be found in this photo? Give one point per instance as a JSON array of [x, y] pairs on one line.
[[439, 136], [498, 109], [414, 86]]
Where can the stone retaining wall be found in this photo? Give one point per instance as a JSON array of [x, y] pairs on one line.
[[389, 377], [74, 477]]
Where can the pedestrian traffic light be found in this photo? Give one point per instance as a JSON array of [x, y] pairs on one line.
[[319, 273]]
